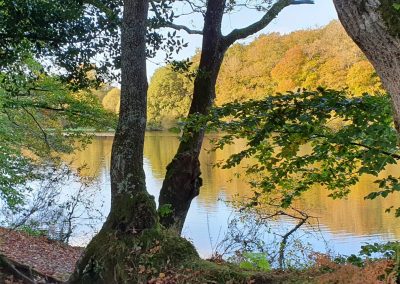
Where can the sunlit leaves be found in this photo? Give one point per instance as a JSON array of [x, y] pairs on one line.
[[169, 97], [70, 34], [73, 37], [341, 139]]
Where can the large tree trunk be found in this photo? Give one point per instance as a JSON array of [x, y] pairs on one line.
[[182, 180], [133, 210], [130, 246], [374, 25]]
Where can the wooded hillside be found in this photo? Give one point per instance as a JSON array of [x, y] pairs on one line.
[[272, 63]]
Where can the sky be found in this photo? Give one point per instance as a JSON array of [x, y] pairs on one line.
[[292, 18]]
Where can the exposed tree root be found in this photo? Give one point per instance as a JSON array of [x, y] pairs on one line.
[[23, 272]]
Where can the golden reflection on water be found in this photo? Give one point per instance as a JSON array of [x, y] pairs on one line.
[[354, 215]]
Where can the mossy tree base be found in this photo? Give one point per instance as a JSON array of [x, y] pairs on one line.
[[132, 258]]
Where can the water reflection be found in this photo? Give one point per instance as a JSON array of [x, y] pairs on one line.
[[348, 223]]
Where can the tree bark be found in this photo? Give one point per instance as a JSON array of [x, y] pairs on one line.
[[182, 181], [369, 24], [133, 210], [127, 174]]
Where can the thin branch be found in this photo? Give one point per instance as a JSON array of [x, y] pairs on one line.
[[285, 238], [9, 118], [61, 110], [46, 107], [196, 8], [171, 25], [393, 155], [182, 27], [39, 126], [387, 153], [16, 268], [263, 22]]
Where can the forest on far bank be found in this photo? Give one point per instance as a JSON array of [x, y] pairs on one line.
[[271, 63]]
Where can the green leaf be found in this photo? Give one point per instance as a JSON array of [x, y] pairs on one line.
[[255, 261]]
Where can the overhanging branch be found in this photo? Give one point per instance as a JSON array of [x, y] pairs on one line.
[[263, 22], [182, 27]]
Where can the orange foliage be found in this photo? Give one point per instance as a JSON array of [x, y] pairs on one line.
[[374, 272]]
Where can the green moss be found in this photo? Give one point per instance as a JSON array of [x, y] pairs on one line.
[[133, 214], [391, 16], [209, 272], [113, 258], [163, 248]]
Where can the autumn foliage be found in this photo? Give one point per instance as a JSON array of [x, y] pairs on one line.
[[272, 63]]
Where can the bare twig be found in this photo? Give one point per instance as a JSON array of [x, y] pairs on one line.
[[286, 236]]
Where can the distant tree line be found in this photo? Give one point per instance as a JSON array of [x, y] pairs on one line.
[[272, 63]]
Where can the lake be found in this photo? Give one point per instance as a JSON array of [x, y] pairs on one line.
[[343, 225]]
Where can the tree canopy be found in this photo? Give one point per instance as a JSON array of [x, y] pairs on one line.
[[69, 34], [169, 97], [40, 102]]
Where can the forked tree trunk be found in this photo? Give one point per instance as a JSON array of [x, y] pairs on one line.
[[374, 26], [132, 208], [182, 180]]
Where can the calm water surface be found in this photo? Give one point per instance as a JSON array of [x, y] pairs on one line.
[[344, 225]]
